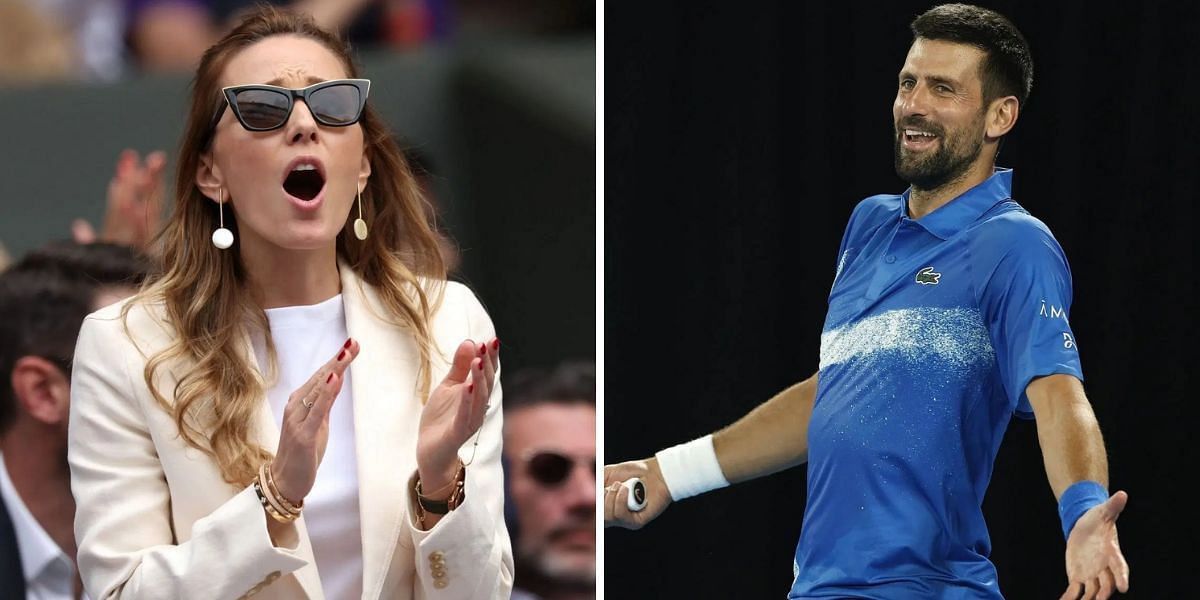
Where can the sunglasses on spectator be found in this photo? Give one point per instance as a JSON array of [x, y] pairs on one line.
[[551, 468], [335, 103]]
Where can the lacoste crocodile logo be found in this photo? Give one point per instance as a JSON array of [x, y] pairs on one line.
[[926, 276]]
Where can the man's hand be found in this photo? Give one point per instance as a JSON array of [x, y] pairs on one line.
[[1095, 565], [616, 511]]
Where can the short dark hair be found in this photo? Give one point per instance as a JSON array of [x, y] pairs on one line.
[[1007, 68], [571, 382], [45, 297]]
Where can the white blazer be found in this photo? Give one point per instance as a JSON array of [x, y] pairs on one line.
[[156, 520]]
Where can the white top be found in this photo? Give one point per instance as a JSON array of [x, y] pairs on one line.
[[49, 572], [306, 337]]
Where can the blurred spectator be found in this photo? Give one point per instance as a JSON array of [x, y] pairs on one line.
[[134, 204], [44, 40], [57, 39], [171, 35], [133, 213], [483, 18], [550, 452], [44, 299]]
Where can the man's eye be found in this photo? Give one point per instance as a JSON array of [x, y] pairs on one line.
[[944, 89], [906, 84]]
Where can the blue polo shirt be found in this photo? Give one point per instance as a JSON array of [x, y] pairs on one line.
[[935, 327]]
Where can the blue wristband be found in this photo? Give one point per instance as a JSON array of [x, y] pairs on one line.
[[1078, 499]]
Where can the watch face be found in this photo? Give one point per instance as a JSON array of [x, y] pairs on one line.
[[639, 492]]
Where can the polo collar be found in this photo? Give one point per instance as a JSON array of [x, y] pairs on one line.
[[957, 214]]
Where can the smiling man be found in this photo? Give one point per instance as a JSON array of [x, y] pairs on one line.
[[948, 314]]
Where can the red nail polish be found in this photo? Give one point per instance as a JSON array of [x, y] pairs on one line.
[[480, 367], [496, 344], [470, 388], [330, 378], [483, 348], [347, 344], [341, 354]]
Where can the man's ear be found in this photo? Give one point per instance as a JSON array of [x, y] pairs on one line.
[[41, 389], [1002, 116], [209, 179]]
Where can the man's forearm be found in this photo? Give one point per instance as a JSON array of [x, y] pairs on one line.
[[772, 437], [1072, 446]]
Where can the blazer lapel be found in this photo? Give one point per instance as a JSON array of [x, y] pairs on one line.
[[383, 381]]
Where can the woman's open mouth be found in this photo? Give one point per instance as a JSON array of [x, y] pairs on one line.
[[304, 179]]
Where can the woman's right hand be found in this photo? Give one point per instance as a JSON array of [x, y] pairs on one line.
[[305, 430]]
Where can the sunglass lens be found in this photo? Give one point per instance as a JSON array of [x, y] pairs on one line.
[[549, 468], [336, 104], [262, 109]]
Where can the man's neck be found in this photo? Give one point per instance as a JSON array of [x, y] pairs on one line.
[[35, 461], [922, 202]]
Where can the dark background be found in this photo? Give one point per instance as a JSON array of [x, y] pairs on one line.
[[737, 142]]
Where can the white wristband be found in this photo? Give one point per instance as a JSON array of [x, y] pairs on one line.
[[691, 469]]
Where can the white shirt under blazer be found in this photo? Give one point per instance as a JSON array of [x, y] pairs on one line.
[[156, 520]]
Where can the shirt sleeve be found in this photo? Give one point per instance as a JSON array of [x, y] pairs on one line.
[[127, 542], [1026, 303], [467, 555], [843, 253]]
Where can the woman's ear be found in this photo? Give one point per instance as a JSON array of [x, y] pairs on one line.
[[208, 177], [364, 170]]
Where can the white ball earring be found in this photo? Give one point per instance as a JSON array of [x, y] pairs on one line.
[[222, 238], [360, 226]]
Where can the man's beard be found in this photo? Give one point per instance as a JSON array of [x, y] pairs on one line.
[[563, 572], [949, 162]]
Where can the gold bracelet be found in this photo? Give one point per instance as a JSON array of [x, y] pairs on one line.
[[453, 481], [441, 507], [284, 505], [266, 504], [271, 492]]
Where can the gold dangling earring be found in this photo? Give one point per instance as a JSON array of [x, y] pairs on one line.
[[360, 226], [222, 238]]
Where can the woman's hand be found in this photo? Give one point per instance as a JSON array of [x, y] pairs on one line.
[[305, 428], [454, 412]]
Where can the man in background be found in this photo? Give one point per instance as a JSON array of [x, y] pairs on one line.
[[550, 457], [44, 299]]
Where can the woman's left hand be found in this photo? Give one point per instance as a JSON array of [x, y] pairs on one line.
[[454, 412]]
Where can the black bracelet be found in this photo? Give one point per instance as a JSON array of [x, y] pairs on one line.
[[437, 507]]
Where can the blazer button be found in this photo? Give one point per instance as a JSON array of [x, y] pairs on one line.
[[440, 584], [436, 556]]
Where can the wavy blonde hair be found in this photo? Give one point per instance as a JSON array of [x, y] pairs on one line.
[[204, 291]]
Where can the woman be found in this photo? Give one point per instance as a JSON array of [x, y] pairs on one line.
[[316, 328]]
